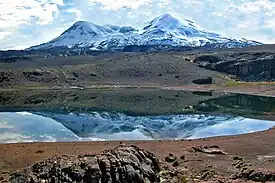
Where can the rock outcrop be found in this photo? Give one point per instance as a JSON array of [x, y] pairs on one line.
[[37, 75], [259, 175], [213, 149], [123, 164], [5, 78], [203, 81], [245, 66]]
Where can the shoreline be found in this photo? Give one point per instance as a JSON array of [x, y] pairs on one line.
[[252, 89]]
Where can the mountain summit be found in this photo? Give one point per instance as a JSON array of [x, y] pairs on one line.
[[165, 22], [164, 30]]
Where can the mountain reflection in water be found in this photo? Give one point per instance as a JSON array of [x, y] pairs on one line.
[[62, 126]]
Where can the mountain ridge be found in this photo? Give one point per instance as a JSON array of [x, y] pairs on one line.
[[164, 30]]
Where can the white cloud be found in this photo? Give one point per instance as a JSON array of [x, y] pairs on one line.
[[116, 4], [19, 41], [251, 23], [77, 12], [17, 12], [29, 22], [58, 2], [4, 34], [257, 6], [270, 23], [219, 14]]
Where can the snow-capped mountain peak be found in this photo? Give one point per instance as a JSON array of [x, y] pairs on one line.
[[164, 22], [87, 28], [162, 30]]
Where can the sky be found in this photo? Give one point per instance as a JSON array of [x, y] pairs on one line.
[[24, 23]]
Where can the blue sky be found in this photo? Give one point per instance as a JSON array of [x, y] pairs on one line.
[[24, 23]]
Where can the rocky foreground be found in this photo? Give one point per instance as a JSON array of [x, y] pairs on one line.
[[122, 164], [129, 163]]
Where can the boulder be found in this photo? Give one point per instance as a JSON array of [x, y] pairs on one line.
[[213, 149], [123, 164], [171, 158], [203, 81], [259, 175]]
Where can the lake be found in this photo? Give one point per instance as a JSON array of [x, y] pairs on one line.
[[99, 115]]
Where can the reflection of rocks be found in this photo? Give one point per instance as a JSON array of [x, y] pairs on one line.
[[236, 104], [122, 164], [204, 107]]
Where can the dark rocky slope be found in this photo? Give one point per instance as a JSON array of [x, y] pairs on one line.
[[245, 66], [164, 68], [178, 66]]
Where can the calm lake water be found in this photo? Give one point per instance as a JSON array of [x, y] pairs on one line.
[[49, 116]]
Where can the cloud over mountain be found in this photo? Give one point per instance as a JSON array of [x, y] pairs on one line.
[[28, 22]]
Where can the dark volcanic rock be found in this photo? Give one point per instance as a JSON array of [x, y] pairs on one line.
[[245, 66], [207, 58], [123, 164], [5, 78], [170, 159], [175, 164], [260, 175], [40, 76], [208, 150], [203, 81]]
